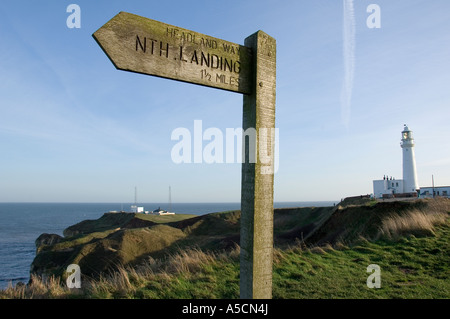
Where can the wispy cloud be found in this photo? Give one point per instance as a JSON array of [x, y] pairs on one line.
[[349, 61]]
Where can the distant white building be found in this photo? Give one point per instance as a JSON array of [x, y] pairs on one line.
[[428, 192], [137, 209], [160, 211], [387, 187]]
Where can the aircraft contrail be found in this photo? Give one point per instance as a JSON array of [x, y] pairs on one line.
[[349, 61]]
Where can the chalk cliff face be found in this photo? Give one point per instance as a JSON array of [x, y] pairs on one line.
[[99, 246]]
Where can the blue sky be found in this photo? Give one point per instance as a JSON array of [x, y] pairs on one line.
[[75, 129]]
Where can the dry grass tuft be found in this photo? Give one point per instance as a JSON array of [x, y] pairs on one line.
[[317, 250], [340, 245], [413, 222], [189, 261], [125, 281], [278, 256], [38, 288]]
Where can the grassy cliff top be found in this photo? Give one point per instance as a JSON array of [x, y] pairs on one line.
[[320, 252], [115, 220]]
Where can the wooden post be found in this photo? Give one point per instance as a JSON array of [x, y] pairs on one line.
[[257, 178]]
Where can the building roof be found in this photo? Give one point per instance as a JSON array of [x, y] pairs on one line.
[[435, 187]]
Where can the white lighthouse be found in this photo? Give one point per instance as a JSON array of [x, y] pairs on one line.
[[390, 187], [410, 183]]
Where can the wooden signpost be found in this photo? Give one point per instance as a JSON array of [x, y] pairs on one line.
[[142, 45]]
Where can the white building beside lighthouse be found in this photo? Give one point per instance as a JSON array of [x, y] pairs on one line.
[[409, 185]]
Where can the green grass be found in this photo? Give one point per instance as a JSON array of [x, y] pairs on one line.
[[114, 220], [410, 268], [165, 218]]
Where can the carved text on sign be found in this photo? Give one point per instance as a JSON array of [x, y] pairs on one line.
[[142, 45], [208, 62]]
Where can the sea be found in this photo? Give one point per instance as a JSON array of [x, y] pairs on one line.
[[22, 223]]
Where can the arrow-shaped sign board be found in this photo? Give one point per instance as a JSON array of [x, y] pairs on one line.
[[138, 44]]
